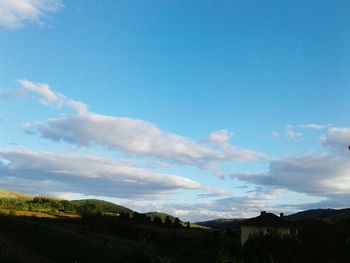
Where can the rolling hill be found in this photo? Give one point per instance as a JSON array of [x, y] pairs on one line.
[[106, 207], [329, 215], [221, 224]]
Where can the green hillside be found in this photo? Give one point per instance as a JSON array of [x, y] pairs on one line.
[[104, 206], [27, 205], [13, 194]]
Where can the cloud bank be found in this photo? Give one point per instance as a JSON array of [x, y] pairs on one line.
[[15, 13], [88, 174], [323, 175], [337, 139], [133, 136]]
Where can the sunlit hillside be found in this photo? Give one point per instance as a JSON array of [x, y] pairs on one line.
[[13, 194]]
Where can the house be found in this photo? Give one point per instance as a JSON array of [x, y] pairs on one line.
[[266, 223]]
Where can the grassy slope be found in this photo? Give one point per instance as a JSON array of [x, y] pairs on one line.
[[13, 194]]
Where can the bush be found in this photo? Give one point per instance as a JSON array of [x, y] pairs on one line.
[[89, 210], [12, 212]]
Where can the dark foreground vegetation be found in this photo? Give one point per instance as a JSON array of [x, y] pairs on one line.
[[104, 232], [104, 239], [111, 239]]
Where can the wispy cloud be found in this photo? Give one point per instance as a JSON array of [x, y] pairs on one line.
[[44, 94], [293, 135], [15, 13], [313, 126], [8, 94]]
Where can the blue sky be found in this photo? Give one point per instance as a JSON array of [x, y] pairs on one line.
[[202, 109]]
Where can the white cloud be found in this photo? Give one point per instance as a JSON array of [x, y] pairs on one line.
[[78, 106], [133, 136], [337, 139], [47, 96], [313, 126], [323, 175], [15, 13], [96, 175], [220, 137], [292, 135]]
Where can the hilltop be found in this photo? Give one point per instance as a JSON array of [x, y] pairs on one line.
[[104, 206]]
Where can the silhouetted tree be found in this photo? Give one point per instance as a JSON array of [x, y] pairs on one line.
[[124, 216], [140, 218], [158, 221], [177, 223], [168, 222]]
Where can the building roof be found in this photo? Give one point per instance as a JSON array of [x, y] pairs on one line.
[[268, 220]]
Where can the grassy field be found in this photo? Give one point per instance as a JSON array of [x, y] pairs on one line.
[[39, 214]]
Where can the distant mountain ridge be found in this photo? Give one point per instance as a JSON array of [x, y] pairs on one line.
[[222, 223], [329, 215]]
